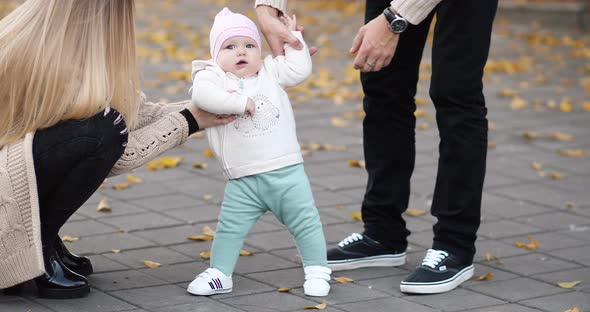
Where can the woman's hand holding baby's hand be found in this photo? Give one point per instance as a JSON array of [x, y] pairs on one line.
[[250, 107], [290, 22]]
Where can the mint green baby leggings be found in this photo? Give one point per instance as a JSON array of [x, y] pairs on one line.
[[287, 194]]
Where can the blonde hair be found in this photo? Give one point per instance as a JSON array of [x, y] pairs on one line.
[[66, 59]]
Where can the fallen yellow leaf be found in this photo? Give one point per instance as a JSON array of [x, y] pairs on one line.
[[70, 239], [208, 153], [200, 238], [207, 197], [534, 244], [570, 205], [423, 126], [199, 165], [151, 264], [246, 253], [574, 309], [586, 106], [420, 113], [488, 256], [284, 289], [104, 206], [568, 285], [339, 206], [339, 122], [507, 92], [485, 277], [412, 212], [207, 231], [561, 136], [321, 306], [120, 186], [557, 175], [205, 255], [531, 135], [133, 179], [566, 105], [572, 152], [163, 163], [537, 166], [343, 280], [357, 216], [116, 250], [121, 230], [356, 163], [518, 103]]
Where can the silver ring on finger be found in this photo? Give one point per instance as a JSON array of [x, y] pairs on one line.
[[370, 64]]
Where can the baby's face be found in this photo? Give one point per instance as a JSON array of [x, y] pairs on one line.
[[239, 56]]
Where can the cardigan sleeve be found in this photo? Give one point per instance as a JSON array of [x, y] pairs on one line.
[[280, 5], [415, 11], [160, 128]]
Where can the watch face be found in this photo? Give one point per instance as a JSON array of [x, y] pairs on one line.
[[398, 25]]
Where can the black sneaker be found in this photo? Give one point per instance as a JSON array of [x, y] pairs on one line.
[[438, 273], [360, 251]]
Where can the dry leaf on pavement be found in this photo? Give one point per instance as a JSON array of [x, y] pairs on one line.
[[205, 255], [151, 264], [116, 250], [356, 163], [357, 216], [534, 244], [120, 186], [246, 253], [284, 289], [568, 285], [343, 279], [485, 277], [104, 206], [200, 238], [207, 231], [133, 179], [70, 239], [412, 212], [199, 165], [321, 306], [572, 152], [208, 153], [574, 309], [536, 165]]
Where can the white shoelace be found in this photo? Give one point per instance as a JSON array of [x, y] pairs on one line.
[[354, 237], [434, 257]]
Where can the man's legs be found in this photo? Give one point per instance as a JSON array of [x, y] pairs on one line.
[[460, 50], [389, 146]]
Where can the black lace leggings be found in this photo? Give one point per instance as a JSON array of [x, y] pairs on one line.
[[71, 160]]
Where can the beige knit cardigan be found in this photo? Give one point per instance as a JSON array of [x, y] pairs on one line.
[[159, 128]]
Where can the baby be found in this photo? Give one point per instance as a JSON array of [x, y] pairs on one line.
[[259, 152]]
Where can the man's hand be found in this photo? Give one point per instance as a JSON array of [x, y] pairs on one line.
[[250, 108], [375, 45], [274, 31]]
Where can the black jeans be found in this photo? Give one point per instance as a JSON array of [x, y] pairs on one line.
[[71, 160], [460, 49]]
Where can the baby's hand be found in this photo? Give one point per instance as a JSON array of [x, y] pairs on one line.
[[250, 107], [291, 23]]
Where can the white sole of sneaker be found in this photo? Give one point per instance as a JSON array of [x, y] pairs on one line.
[[317, 293], [438, 287], [375, 261], [210, 292]]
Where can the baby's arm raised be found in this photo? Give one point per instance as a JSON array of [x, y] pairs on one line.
[[294, 67], [208, 95]]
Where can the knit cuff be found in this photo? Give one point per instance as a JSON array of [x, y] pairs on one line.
[[193, 125], [415, 11], [280, 5]]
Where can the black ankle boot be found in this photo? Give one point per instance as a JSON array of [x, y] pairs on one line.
[[77, 264], [59, 282]]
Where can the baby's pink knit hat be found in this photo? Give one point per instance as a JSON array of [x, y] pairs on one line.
[[228, 24]]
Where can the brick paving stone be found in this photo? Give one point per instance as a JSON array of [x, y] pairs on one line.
[[509, 208], [505, 228], [290, 278], [346, 293], [505, 308], [549, 241], [262, 262], [141, 221], [533, 263], [268, 302], [449, 302], [205, 305], [582, 274], [560, 302], [123, 280], [100, 263], [86, 228], [168, 201], [21, 305], [174, 234], [135, 258], [386, 305], [554, 221], [97, 301], [108, 242], [499, 249], [199, 214], [136, 191], [517, 289], [579, 255], [118, 208], [155, 297], [177, 273]]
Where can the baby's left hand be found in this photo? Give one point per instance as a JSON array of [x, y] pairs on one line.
[[290, 22]]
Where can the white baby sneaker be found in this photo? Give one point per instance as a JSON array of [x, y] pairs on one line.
[[210, 282], [316, 281]]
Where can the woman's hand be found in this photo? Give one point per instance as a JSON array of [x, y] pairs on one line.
[[375, 45], [274, 31], [206, 119]]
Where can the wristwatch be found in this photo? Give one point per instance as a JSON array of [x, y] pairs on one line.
[[397, 24]]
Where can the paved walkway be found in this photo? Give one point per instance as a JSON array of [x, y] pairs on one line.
[[533, 82]]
